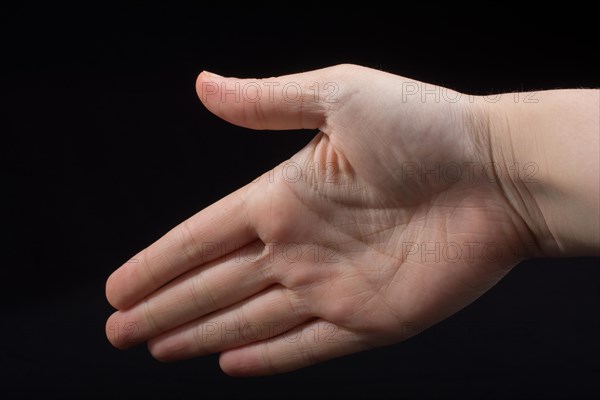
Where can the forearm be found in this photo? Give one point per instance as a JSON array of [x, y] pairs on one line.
[[546, 146]]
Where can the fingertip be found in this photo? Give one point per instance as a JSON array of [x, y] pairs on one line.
[[201, 77], [168, 347], [156, 353], [111, 329], [122, 332], [117, 296], [206, 84], [111, 292], [228, 362], [240, 363]]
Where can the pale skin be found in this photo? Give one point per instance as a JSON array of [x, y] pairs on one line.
[[352, 244]]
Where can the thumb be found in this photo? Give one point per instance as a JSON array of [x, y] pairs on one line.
[[299, 101]]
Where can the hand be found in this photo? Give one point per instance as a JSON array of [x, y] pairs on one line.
[[387, 222]]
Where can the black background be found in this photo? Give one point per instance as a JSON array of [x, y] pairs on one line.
[[105, 146]]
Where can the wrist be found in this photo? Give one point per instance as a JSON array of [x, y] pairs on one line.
[[545, 150]]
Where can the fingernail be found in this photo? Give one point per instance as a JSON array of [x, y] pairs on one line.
[[212, 74]]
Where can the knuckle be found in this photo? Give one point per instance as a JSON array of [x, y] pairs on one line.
[[167, 350], [201, 294], [201, 341], [149, 316]]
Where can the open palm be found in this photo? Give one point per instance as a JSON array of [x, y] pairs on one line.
[[388, 221]]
